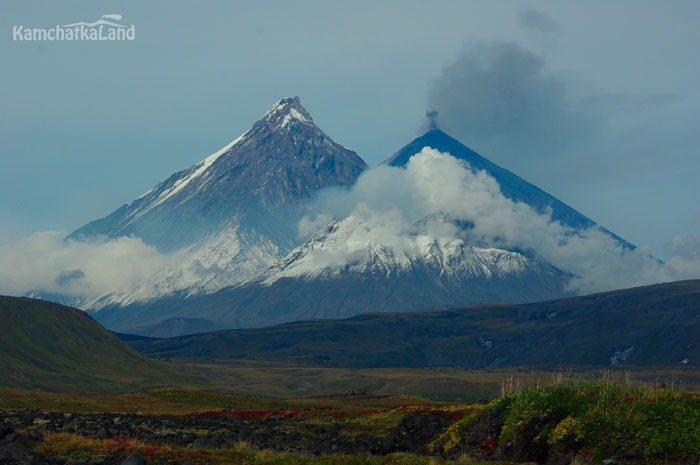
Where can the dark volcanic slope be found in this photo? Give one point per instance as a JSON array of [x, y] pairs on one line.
[[46, 346], [512, 186], [651, 325]]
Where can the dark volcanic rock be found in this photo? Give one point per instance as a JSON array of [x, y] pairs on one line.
[[523, 447], [560, 456], [274, 432], [17, 448], [481, 434], [134, 459], [5, 432], [416, 430]]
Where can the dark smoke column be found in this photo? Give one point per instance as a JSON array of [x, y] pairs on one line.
[[432, 119]]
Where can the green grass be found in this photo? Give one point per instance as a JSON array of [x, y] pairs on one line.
[[46, 346], [608, 417]]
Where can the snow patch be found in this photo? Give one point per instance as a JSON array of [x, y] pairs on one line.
[[274, 108], [200, 168], [284, 109], [188, 175], [621, 356], [293, 115]]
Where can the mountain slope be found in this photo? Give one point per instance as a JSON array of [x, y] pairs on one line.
[[283, 158], [50, 347], [233, 214], [511, 185], [651, 325], [317, 280]]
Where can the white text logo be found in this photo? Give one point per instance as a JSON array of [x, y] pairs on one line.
[[105, 28]]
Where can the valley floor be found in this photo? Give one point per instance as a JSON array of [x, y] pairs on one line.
[[458, 384]]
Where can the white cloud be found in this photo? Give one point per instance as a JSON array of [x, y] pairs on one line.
[[310, 224], [47, 262], [685, 256], [388, 202]]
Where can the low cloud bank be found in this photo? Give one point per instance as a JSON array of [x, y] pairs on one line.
[[390, 204], [50, 264]]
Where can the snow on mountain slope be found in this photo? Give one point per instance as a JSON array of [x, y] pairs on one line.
[[184, 178], [342, 271], [222, 259], [326, 256], [233, 214]]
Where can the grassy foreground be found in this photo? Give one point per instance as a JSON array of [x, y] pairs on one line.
[[586, 421], [607, 418], [595, 420]]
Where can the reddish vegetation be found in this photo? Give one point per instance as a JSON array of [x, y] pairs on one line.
[[490, 445], [118, 444], [367, 413], [148, 451]]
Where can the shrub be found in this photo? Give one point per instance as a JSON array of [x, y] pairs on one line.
[[609, 418]]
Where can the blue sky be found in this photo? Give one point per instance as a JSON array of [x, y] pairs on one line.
[[602, 107]]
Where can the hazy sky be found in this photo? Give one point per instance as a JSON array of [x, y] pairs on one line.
[[596, 102]]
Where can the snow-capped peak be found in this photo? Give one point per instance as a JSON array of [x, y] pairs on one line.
[[287, 111], [279, 117]]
